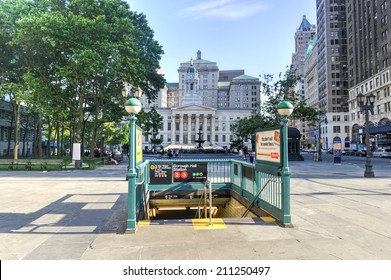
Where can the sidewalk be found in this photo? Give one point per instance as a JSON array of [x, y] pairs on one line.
[[75, 214]]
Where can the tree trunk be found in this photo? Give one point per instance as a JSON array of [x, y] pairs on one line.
[[59, 154], [17, 128], [48, 147], [10, 130], [26, 137], [34, 150], [38, 137]]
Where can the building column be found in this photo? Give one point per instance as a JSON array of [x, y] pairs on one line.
[[212, 130], [205, 127], [189, 129], [173, 129], [197, 124], [181, 129]]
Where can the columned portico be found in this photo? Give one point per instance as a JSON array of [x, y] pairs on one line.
[[200, 117]]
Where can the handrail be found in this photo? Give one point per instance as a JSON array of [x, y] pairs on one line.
[[256, 197], [210, 203], [203, 195]]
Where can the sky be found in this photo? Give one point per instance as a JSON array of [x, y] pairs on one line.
[[254, 35]]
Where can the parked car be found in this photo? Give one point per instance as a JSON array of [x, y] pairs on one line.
[[380, 152], [349, 152], [361, 153]]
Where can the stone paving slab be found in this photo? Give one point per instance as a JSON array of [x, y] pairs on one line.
[[336, 214]]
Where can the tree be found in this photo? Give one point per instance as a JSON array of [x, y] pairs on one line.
[[275, 92], [73, 57], [245, 129], [283, 89], [150, 122]]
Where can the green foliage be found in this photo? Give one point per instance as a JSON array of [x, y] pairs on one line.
[[274, 92], [283, 89], [69, 59], [245, 129], [150, 122]]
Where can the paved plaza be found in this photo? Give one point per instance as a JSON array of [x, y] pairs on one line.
[[74, 214]]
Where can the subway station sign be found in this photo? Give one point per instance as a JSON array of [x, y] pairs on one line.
[[190, 171], [168, 173], [160, 173]]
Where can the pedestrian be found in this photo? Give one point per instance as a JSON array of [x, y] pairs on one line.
[[176, 153], [161, 152], [112, 159], [251, 154], [240, 154]]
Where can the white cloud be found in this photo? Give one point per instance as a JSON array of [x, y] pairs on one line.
[[231, 9]]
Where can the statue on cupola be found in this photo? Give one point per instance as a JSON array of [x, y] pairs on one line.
[[191, 95]]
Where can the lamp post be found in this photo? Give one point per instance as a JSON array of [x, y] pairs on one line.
[[285, 109], [366, 108], [133, 106], [322, 118]]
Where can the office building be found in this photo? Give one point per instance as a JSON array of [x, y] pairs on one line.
[[369, 57]]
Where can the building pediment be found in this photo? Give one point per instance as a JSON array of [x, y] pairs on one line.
[[193, 108]]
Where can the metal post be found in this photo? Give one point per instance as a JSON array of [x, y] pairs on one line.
[[368, 163], [205, 201], [285, 173], [131, 222], [320, 141], [210, 203]]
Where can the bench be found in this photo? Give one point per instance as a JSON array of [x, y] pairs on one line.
[[92, 163], [6, 162], [55, 163], [15, 165], [32, 164]]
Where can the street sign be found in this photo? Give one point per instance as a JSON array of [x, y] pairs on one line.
[[160, 173], [190, 171]]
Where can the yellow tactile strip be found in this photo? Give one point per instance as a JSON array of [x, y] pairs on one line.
[[203, 224], [200, 224], [144, 223], [268, 219]]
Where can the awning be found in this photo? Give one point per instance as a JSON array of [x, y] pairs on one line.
[[377, 129]]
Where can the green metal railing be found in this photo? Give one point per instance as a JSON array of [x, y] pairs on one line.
[[239, 176]]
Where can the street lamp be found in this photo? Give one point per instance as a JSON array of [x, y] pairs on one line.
[[285, 109], [133, 106], [366, 108], [322, 118]]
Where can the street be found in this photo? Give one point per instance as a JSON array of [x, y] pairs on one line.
[[381, 165]]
